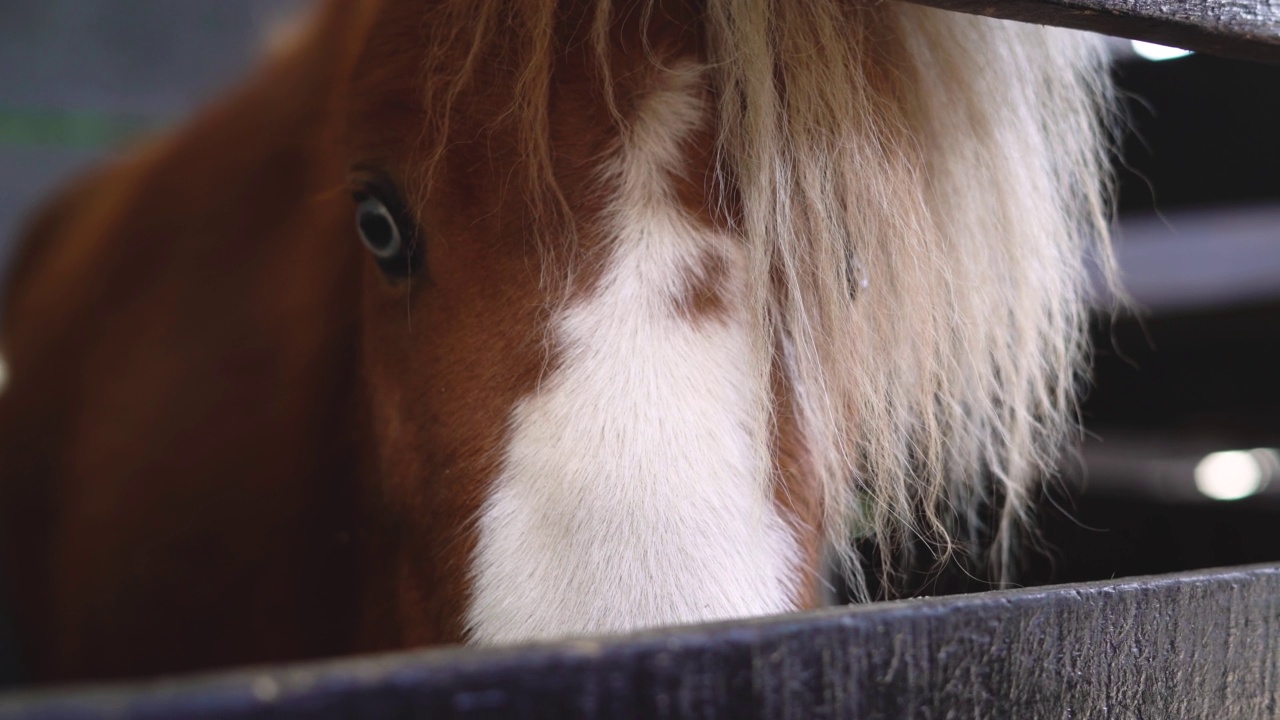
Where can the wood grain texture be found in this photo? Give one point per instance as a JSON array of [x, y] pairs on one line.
[[1243, 29], [1202, 645]]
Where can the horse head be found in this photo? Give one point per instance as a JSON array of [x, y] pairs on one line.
[[562, 318]]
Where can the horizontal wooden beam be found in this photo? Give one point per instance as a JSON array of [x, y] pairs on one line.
[[1200, 645], [1243, 29]]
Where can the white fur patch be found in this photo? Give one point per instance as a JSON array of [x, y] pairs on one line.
[[635, 489]]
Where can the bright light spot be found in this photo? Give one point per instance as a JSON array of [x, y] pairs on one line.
[[265, 689], [1234, 474], [1152, 51]]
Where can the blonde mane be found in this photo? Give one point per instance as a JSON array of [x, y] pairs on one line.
[[921, 193]]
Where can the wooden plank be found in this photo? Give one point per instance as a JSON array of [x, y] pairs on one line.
[[1243, 29], [1199, 645]]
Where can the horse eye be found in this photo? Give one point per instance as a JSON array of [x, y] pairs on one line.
[[378, 228], [387, 232]]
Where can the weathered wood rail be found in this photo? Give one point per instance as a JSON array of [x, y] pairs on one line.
[[1202, 645], [1243, 29]]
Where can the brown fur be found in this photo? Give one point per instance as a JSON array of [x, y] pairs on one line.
[[166, 505], [228, 438]]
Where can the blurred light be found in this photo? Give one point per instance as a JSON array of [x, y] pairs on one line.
[[1235, 474], [4, 374], [1152, 51]]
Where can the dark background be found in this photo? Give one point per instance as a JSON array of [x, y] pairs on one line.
[[1193, 371], [1197, 368], [1192, 366]]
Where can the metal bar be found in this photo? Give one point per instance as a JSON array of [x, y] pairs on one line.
[[1201, 645], [1242, 29]]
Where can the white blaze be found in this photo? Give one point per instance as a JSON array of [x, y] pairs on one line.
[[635, 487]]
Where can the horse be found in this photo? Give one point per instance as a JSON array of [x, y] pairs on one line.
[[491, 322]]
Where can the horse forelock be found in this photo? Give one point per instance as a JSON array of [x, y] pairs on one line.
[[914, 195]]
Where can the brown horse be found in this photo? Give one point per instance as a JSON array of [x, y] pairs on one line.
[[645, 309]]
